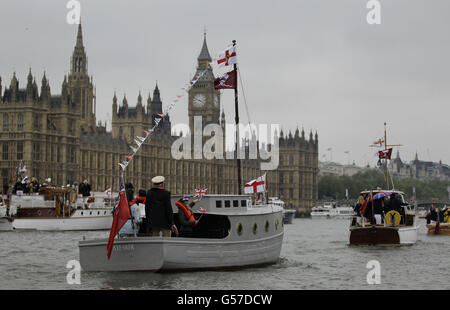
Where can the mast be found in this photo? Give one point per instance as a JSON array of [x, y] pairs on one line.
[[236, 109], [386, 147], [386, 161]]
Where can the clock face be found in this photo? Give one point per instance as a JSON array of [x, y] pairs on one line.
[[216, 101], [199, 100]]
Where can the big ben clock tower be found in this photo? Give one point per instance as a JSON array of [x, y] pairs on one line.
[[204, 100]]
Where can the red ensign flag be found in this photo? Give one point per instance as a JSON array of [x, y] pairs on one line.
[[121, 216]]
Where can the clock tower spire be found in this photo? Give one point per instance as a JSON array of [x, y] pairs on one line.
[[204, 100]]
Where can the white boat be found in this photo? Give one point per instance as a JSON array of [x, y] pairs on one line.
[[6, 218], [288, 214], [232, 233], [397, 228], [55, 210], [330, 210]]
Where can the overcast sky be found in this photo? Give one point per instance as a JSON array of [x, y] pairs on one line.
[[311, 63]]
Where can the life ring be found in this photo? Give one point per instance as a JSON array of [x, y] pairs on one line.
[[388, 216], [447, 216]]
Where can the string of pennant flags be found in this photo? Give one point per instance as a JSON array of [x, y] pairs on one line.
[[139, 140]]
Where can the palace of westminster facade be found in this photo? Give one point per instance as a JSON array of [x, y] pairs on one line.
[[57, 137]]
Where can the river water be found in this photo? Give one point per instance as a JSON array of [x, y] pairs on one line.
[[315, 255]]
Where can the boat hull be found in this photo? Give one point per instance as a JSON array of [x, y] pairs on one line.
[[6, 224], [444, 229], [160, 254], [380, 235], [288, 217], [64, 224]]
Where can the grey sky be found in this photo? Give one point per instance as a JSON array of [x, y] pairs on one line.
[[311, 63]]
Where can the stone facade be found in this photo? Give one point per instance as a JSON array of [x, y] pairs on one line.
[[418, 169], [58, 137]]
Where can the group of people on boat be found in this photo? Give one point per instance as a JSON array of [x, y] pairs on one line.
[[435, 215], [377, 209], [159, 219]]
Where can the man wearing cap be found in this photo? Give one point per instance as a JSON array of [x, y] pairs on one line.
[[158, 209]]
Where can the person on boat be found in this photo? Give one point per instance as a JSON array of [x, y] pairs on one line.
[[141, 196], [378, 208], [433, 216], [131, 227], [158, 209], [357, 210], [186, 216], [85, 189]]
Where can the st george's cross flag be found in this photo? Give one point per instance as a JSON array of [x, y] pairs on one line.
[[121, 215], [228, 57], [256, 186], [226, 81]]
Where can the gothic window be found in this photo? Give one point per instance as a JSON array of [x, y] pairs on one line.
[[36, 121], [5, 151], [19, 150], [132, 132], [281, 160], [291, 178], [291, 160], [36, 151], [20, 122], [281, 178], [120, 132], [58, 154], [6, 123]]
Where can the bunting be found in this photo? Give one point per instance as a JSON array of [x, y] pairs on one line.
[[141, 140]]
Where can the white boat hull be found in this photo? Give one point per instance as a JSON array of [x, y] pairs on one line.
[[6, 224], [157, 254], [64, 224]]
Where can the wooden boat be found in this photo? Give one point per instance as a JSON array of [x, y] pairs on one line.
[[441, 228], [232, 233], [59, 209], [398, 227]]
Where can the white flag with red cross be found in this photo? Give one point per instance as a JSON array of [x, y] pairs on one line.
[[256, 186], [227, 57]]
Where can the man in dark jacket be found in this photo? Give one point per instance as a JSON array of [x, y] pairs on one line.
[[158, 209], [85, 189]]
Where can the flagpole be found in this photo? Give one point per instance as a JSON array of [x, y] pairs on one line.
[[236, 108], [386, 161]]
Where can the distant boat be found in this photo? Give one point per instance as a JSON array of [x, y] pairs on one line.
[[440, 228], [288, 214], [6, 218], [59, 209], [231, 233], [330, 210]]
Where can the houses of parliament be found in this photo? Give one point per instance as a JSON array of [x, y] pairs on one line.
[[58, 137]]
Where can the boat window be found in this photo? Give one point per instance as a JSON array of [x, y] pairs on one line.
[[240, 229], [98, 212], [211, 226], [104, 212], [218, 203], [227, 203], [90, 213], [244, 203], [81, 212], [282, 223], [266, 226], [236, 203], [255, 228]]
